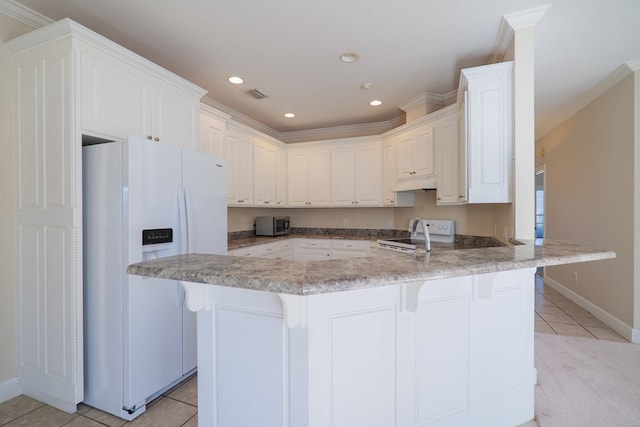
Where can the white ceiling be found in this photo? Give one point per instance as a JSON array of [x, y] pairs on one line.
[[289, 49]]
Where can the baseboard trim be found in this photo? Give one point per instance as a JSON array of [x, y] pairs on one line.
[[608, 319], [9, 389]]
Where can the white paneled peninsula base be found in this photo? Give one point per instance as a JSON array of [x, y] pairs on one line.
[[444, 340]]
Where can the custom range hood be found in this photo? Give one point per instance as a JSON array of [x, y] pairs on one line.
[[426, 183]]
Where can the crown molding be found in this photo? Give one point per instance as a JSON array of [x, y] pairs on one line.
[[624, 70], [633, 64], [338, 132], [613, 79], [511, 23], [422, 99], [23, 14], [239, 117]]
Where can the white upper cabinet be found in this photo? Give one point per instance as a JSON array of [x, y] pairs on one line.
[[264, 173], [240, 163], [390, 178], [213, 132], [119, 100], [416, 153], [281, 177], [309, 176], [447, 159], [356, 174], [485, 98]]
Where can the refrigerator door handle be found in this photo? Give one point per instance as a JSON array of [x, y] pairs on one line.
[[184, 223], [188, 219]]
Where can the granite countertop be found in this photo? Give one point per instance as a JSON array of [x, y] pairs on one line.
[[336, 275]]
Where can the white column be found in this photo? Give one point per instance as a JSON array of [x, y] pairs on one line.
[[523, 26]]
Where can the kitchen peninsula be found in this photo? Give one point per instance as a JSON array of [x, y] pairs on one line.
[[442, 340]]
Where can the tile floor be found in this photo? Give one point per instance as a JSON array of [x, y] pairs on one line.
[[555, 314]]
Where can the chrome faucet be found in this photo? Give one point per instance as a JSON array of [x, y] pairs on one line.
[[425, 229]]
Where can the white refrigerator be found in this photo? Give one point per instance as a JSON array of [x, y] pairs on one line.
[[143, 200]]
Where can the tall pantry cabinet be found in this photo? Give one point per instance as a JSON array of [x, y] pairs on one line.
[[71, 81]]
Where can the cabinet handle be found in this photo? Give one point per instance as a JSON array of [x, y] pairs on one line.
[[266, 202], [156, 139]]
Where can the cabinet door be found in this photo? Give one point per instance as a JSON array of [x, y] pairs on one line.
[[404, 165], [489, 136], [447, 160], [343, 176], [423, 152], [281, 177], [212, 136], [49, 228], [175, 118], [297, 167], [319, 177], [264, 181], [368, 177], [240, 187], [388, 173], [115, 99]]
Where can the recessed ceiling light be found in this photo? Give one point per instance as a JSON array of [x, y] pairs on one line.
[[289, 115], [235, 80], [349, 57], [375, 102], [366, 85]]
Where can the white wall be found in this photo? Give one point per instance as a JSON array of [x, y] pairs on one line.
[[589, 162], [9, 28]]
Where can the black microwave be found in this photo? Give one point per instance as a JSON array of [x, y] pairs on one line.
[[272, 225]]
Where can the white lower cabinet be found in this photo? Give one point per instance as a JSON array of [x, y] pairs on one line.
[[307, 249], [438, 353]]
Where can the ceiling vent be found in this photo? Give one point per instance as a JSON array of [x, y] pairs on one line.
[[256, 94]]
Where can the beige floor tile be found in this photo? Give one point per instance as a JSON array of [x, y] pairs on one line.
[[563, 302], [558, 318], [44, 416], [549, 309], [187, 392], [193, 421], [166, 413], [17, 407], [83, 422], [104, 418], [576, 311], [606, 334], [572, 330], [589, 320], [542, 326], [83, 409]]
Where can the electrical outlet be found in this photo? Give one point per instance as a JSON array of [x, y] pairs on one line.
[[389, 223], [575, 276], [346, 222]]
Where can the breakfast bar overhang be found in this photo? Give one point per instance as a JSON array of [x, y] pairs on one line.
[[442, 340]]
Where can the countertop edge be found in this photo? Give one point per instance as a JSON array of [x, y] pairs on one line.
[[338, 275]]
